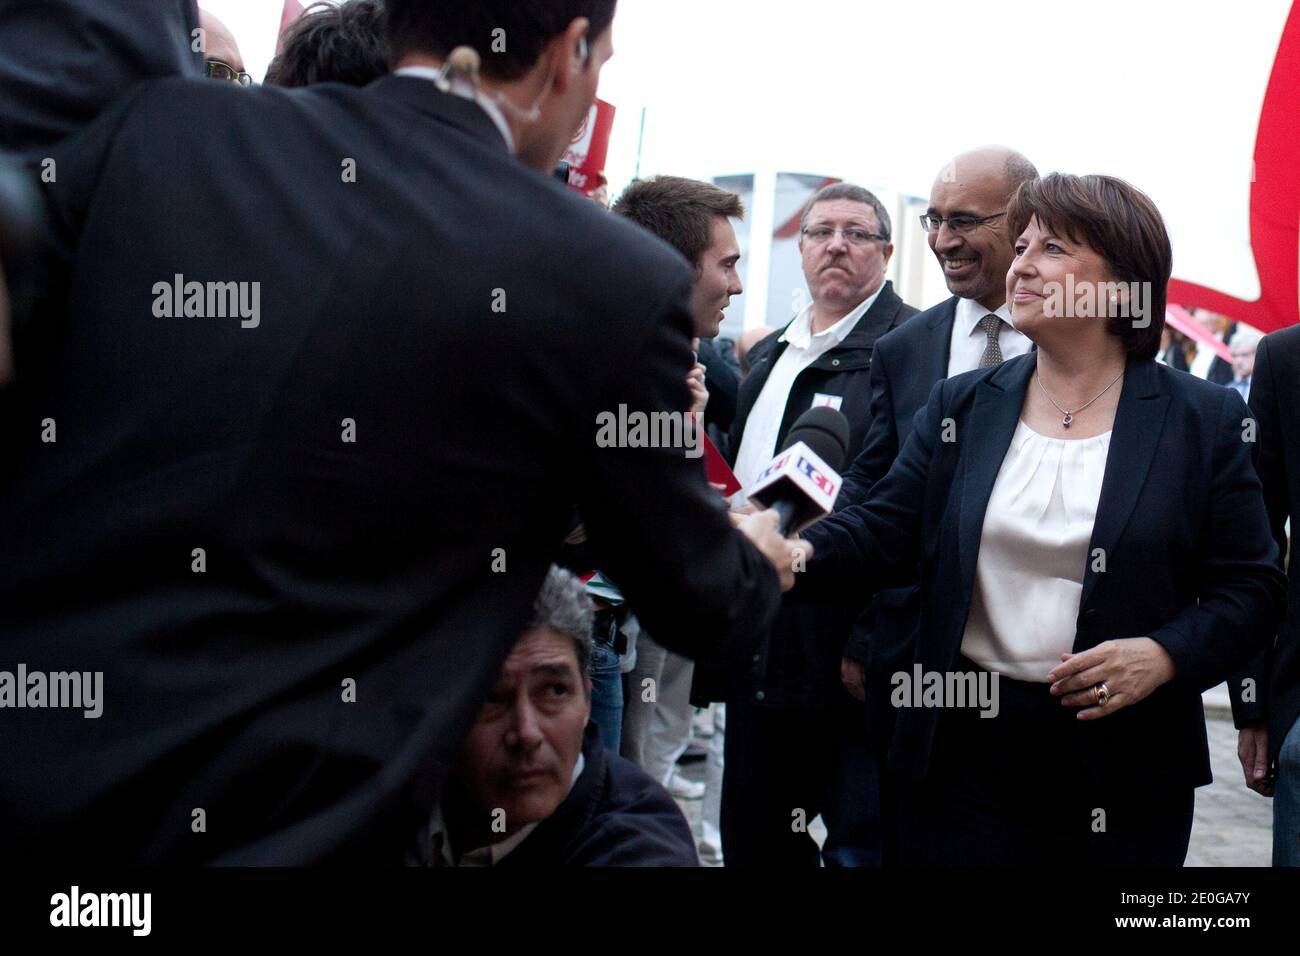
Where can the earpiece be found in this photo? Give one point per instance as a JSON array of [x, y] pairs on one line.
[[584, 56], [462, 63]]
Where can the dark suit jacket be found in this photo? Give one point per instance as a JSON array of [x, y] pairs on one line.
[[1275, 403], [1220, 371], [722, 379], [420, 306], [799, 664], [615, 815], [906, 365], [1181, 521], [62, 61]]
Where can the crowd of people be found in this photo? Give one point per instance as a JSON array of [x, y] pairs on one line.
[[362, 584]]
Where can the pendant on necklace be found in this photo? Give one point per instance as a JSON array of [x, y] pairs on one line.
[[1065, 422]]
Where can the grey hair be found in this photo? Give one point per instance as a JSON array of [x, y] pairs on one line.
[[563, 606], [1016, 170], [854, 194], [1245, 336]]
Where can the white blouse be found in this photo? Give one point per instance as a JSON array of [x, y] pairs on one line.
[[1033, 554]]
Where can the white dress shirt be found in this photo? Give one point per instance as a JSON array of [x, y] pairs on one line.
[[803, 347], [1033, 554], [969, 340]]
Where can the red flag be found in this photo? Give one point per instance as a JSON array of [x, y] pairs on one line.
[[586, 154], [292, 11], [1274, 204], [717, 469]]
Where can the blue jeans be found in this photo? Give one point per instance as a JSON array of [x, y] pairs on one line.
[[1286, 801], [606, 686]]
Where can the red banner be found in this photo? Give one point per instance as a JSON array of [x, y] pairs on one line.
[[292, 11], [1274, 204], [586, 154]]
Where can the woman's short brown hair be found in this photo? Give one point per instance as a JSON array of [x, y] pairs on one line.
[[1118, 222]]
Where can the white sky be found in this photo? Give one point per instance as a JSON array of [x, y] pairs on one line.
[[1165, 93]]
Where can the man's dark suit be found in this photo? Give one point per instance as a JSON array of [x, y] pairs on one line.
[[795, 738], [299, 551], [1181, 521], [1275, 403], [906, 365], [62, 61]]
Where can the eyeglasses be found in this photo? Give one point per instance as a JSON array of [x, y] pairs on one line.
[[855, 237], [932, 223], [224, 71]]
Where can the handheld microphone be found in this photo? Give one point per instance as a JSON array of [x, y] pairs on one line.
[[803, 480]]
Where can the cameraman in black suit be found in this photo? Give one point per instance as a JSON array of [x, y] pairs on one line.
[[272, 473]]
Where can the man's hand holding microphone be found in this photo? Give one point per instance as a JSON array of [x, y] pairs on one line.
[[763, 528]]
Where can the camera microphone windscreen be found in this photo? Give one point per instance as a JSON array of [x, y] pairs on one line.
[[825, 431], [803, 480]]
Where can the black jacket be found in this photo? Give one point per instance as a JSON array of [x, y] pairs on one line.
[[799, 664], [205, 533], [1275, 403], [1181, 520], [615, 815], [722, 379], [62, 61], [907, 364], [842, 371]]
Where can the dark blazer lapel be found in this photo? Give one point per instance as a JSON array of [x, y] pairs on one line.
[[1139, 420], [987, 436], [941, 344]]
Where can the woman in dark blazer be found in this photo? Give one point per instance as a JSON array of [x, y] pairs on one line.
[[1093, 551]]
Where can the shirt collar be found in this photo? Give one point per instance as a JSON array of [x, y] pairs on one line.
[[970, 312], [465, 90], [493, 853], [799, 332]]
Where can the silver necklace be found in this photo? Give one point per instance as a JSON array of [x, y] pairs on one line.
[[1068, 415]]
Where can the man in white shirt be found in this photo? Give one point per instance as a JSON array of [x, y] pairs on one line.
[[795, 740]]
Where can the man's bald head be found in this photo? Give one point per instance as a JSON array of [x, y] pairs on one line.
[[748, 339], [976, 186], [218, 42], [986, 164]]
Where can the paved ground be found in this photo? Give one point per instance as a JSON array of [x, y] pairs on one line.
[[1232, 827]]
